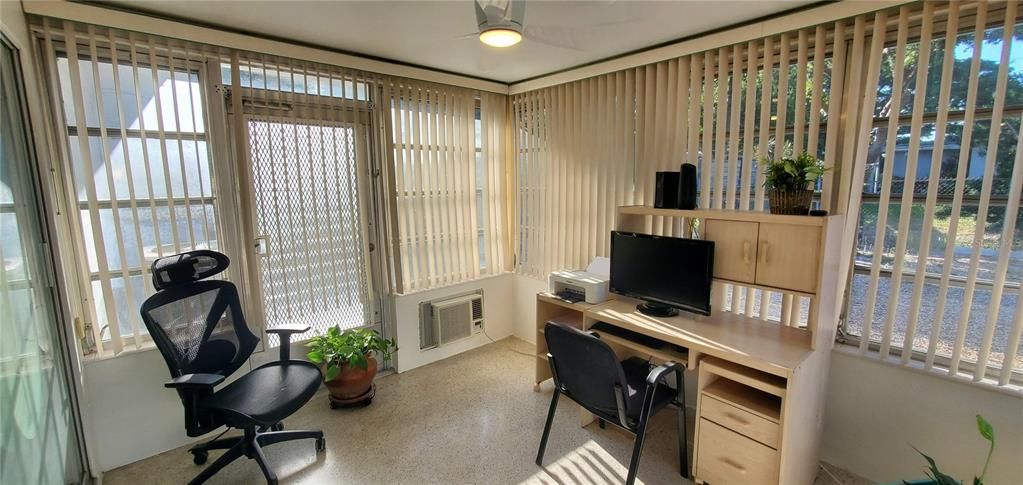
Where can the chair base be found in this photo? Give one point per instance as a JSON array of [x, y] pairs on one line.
[[249, 445]]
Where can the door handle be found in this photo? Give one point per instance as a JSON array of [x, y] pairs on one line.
[[745, 252], [260, 245], [763, 252]]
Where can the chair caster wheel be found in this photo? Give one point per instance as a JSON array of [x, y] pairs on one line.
[[321, 444], [199, 457], [277, 427]]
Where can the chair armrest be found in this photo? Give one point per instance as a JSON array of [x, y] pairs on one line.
[[285, 332], [194, 381], [662, 371]]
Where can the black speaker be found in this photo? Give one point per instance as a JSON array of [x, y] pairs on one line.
[[687, 187], [666, 195]]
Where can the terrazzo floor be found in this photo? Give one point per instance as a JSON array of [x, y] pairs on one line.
[[469, 419]]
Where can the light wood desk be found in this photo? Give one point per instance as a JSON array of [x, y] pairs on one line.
[[761, 384]]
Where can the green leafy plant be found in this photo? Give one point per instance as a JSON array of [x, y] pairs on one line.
[[787, 173], [988, 433], [350, 347]]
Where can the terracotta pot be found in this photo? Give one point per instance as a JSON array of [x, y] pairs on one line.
[[792, 202], [353, 381]]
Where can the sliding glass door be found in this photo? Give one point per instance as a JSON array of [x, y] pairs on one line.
[[38, 439]]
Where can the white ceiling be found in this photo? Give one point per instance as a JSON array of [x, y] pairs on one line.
[[432, 33]]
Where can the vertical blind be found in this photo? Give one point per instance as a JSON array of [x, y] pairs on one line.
[[448, 184], [889, 101], [586, 147], [940, 253], [139, 185], [148, 171]]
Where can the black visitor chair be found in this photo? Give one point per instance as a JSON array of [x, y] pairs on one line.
[[625, 394], [201, 333]]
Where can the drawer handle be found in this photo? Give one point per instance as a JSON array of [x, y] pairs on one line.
[[745, 252], [732, 464], [737, 418], [763, 252]]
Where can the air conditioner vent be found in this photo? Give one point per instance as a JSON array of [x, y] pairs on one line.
[[450, 319], [477, 309]]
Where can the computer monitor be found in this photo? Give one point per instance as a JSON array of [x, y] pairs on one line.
[[667, 273]]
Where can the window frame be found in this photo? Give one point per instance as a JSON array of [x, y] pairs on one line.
[[843, 336]]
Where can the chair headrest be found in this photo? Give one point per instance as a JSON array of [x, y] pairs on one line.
[[187, 267]]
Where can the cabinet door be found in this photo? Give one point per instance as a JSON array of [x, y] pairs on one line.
[[735, 244], [787, 256]]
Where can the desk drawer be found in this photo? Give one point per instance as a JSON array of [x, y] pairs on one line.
[[739, 420], [726, 457]]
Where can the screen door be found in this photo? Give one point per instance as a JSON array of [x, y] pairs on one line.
[[311, 221]]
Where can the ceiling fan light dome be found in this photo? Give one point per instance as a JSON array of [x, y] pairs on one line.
[[500, 37]]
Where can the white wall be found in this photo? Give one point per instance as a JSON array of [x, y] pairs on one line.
[[499, 314], [877, 412], [132, 415]]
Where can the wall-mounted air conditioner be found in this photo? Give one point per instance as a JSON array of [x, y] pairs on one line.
[[450, 319]]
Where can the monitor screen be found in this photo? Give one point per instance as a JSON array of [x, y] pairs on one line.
[[669, 271]]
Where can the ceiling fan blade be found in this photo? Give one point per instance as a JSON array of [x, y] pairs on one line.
[[470, 35], [556, 37]]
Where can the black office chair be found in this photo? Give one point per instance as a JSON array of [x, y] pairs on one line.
[[200, 330], [625, 394]]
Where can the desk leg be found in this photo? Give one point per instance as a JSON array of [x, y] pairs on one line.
[[536, 387]]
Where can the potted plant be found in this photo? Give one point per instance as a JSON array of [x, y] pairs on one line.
[[788, 181], [936, 477], [348, 363]]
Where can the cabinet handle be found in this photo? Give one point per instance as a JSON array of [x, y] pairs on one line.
[[763, 252], [737, 418], [733, 464], [745, 252]]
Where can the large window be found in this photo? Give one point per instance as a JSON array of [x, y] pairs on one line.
[[939, 253], [449, 184], [138, 152]]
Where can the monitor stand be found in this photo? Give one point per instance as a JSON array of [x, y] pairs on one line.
[[656, 309]]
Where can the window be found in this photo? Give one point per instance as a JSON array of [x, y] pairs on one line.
[[939, 252], [444, 140], [139, 166]]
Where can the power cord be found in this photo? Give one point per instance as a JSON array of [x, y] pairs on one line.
[[505, 346]]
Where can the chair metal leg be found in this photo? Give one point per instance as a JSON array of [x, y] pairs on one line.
[[637, 451], [257, 454], [237, 451], [271, 437], [547, 428], [683, 452]]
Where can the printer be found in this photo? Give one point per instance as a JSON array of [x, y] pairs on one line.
[[590, 285]]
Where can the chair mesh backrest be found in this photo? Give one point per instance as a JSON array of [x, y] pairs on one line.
[[586, 367], [197, 325]]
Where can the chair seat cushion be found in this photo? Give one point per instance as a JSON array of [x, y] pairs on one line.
[[636, 372], [266, 395]]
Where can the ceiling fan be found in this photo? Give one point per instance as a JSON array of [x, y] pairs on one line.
[[501, 24]]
